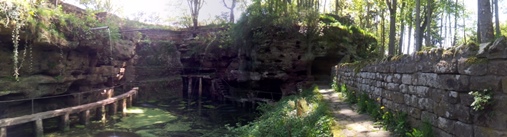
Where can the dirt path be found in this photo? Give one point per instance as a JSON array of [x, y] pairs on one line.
[[351, 123]]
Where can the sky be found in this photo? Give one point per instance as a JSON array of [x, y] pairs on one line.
[[169, 10]]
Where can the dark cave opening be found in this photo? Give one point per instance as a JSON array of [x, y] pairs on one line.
[[322, 67]]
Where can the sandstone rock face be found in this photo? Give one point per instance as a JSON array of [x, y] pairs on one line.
[[436, 89]]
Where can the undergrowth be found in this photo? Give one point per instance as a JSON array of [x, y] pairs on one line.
[[303, 115], [396, 122]]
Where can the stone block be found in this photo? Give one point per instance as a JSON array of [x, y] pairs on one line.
[[437, 95], [422, 91], [426, 79], [430, 117], [397, 97], [406, 79], [426, 104], [411, 100], [442, 110], [498, 49], [403, 88], [485, 82], [452, 97], [437, 132], [461, 129], [414, 112], [393, 87], [454, 82], [447, 66], [397, 78], [462, 113], [445, 124], [465, 99], [497, 67], [480, 131], [473, 69], [483, 49]]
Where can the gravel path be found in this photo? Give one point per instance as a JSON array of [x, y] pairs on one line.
[[351, 123]]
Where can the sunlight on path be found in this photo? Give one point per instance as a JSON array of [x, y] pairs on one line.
[[351, 123]]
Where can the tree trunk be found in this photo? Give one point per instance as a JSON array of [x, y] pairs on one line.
[[392, 26], [402, 28], [454, 38], [497, 20], [428, 22], [417, 37], [409, 37], [485, 21], [382, 33]]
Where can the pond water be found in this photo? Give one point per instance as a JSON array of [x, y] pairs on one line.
[[165, 118]]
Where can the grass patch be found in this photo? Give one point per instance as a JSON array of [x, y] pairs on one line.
[[304, 115]]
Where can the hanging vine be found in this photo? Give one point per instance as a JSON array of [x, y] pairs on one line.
[[13, 14]]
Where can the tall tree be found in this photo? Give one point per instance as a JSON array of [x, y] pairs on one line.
[[485, 22], [391, 4], [429, 11], [195, 6], [497, 19], [231, 8], [402, 27], [418, 32]]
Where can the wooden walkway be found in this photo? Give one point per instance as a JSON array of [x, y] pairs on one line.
[[84, 113]]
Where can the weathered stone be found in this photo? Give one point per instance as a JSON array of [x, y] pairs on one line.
[[445, 124], [485, 82], [440, 133], [462, 113], [480, 131], [397, 97], [504, 84], [448, 65], [411, 100], [421, 91], [393, 87], [483, 50], [465, 99], [396, 78], [453, 97], [436, 95], [474, 69], [406, 79], [454, 82], [430, 117], [442, 110], [497, 67], [461, 129], [425, 79], [414, 112], [403, 89], [426, 104], [498, 49]]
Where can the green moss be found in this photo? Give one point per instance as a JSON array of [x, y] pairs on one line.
[[140, 117], [476, 60]]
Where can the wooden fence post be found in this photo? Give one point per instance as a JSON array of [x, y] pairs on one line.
[[99, 113], [64, 122], [124, 107], [39, 129], [3, 131], [84, 117]]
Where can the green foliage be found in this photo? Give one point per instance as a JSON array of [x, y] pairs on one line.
[[482, 99], [425, 131], [304, 115]]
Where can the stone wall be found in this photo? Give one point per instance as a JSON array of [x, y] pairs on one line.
[[433, 86]]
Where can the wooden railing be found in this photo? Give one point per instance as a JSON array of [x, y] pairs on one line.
[[84, 111]]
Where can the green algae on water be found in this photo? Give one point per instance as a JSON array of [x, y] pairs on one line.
[[145, 117]]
